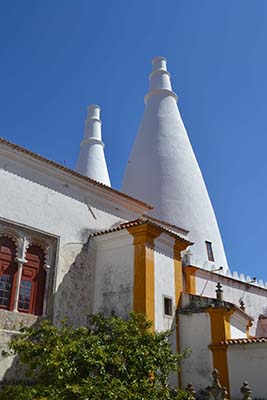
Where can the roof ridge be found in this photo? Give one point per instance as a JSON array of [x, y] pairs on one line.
[[136, 222], [70, 171]]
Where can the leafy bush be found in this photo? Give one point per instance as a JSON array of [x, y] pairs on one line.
[[113, 359]]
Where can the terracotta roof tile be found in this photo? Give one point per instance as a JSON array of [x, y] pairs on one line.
[[245, 341], [138, 222]]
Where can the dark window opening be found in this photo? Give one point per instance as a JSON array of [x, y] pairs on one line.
[[5, 290], [167, 306], [25, 296], [209, 251]]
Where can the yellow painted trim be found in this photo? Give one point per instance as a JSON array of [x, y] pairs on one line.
[[178, 270], [220, 332], [220, 324], [250, 323], [178, 282], [220, 362], [190, 279], [144, 275]]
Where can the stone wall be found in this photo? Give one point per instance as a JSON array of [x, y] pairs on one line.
[[10, 323]]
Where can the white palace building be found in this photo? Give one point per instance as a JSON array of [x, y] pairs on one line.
[[70, 246]]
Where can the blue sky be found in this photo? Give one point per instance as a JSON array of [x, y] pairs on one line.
[[59, 56]]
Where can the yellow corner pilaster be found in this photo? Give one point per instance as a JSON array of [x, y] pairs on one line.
[[178, 276], [220, 332], [249, 325], [144, 274], [178, 270], [190, 279]]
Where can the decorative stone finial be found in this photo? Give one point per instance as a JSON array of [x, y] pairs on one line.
[[191, 392], [246, 391], [242, 305], [219, 295], [216, 390]]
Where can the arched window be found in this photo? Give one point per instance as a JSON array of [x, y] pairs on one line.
[[8, 272], [32, 284]]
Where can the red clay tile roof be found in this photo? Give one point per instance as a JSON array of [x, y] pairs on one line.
[[171, 226], [245, 341], [69, 171], [138, 222]]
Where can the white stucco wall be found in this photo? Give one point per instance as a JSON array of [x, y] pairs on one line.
[[46, 203], [165, 287], [238, 326], [114, 273], [255, 298], [164, 281], [195, 333], [248, 362], [40, 197]]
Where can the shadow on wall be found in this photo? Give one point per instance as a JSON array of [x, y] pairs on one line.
[[73, 299], [85, 290]]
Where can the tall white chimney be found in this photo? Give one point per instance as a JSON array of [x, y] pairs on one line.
[[163, 171], [91, 161]]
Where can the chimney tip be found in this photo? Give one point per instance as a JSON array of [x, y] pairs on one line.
[[94, 111], [159, 63]]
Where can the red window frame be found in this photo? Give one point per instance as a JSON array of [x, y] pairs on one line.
[[33, 276], [8, 267]]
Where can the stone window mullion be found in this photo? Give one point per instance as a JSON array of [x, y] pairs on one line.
[[21, 260], [47, 269]]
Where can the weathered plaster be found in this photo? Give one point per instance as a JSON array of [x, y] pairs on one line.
[[74, 297], [195, 333], [10, 323], [247, 362], [13, 321], [114, 273]]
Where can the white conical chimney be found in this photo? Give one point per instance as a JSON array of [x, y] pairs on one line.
[[162, 170], [91, 161]]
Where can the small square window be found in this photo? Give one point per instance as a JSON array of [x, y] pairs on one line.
[[209, 251], [168, 306]]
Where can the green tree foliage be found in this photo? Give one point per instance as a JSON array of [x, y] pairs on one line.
[[113, 359]]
